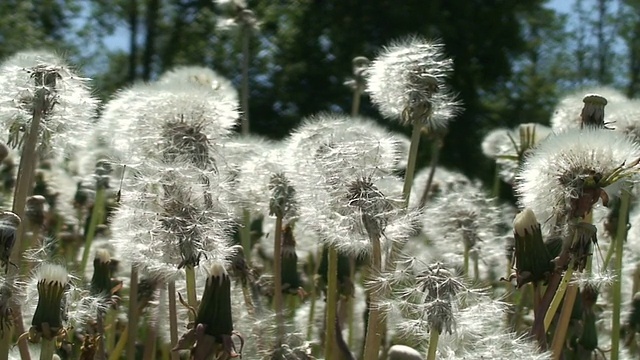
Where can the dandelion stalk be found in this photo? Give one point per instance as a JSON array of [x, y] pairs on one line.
[[411, 161], [132, 325], [173, 318], [192, 299], [435, 158], [47, 349], [557, 298], [373, 336], [111, 324], [433, 344], [332, 302], [277, 278], [495, 190], [563, 323], [122, 343], [621, 236], [24, 182], [245, 234], [96, 219]]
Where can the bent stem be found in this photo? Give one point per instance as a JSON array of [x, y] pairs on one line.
[[411, 162], [433, 345], [96, 219], [617, 282], [277, 278], [435, 158], [122, 342], [563, 323], [373, 336], [332, 302], [557, 298]]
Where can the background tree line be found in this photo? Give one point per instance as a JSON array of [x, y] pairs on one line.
[[513, 59]]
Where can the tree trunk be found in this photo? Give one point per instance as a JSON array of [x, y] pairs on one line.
[[151, 23], [133, 43]]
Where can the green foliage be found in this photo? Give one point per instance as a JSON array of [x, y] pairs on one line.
[[512, 58]]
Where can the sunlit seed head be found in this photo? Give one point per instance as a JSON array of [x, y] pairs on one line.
[[568, 173], [200, 76], [40, 79], [406, 82], [566, 114]]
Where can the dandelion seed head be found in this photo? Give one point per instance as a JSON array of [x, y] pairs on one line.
[[566, 114], [565, 166], [69, 103], [455, 221], [406, 82], [174, 122], [200, 76], [506, 147], [173, 219]]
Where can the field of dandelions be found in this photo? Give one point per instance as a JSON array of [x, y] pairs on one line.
[[147, 227]]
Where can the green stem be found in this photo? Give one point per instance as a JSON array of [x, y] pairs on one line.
[[96, 219], [277, 278], [132, 326], [435, 158], [246, 37], [173, 318], [150, 343], [411, 162], [563, 323], [24, 185], [47, 349], [433, 345], [495, 190], [5, 343], [355, 104], [465, 262], [621, 237], [111, 322], [192, 298], [557, 298], [332, 303], [122, 342], [373, 336], [351, 304], [245, 234]]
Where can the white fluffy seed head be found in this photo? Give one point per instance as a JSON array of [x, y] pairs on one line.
[[410, 74], [566, 114], [200, 76], [155, 120], [553, 175], [63, 129]]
